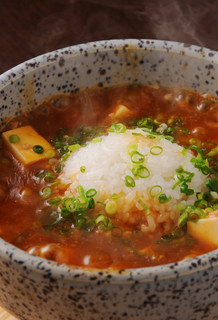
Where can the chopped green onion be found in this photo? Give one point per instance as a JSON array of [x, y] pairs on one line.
[[149, 136], [156, 150], [90, 225], [55, 200], [38, 149], [55, 183], [136, 134], [82, 196], [129, 182], [50, 154], [163, 198], [131, 148], [100, 218], [213, 152], [155, 191], [212, 184], [46, 193], [100, 202], [141, 172], [103, 222], [184, 189], [184, 151], [111, 207], [91, 193], [137, 157], [146, 123], [74, 147], [83, 169], [117, 127], [14, 138], [185, 131], [189, 213], [47, 175], [194, 147], [95, 140], [184, 177], [115, 196], [200, 163], [171, 139], [195, 142], [201, 203]]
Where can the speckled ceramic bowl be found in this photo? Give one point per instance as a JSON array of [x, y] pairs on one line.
[[33, 288]]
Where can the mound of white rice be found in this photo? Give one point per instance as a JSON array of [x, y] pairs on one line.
[[108, 162]]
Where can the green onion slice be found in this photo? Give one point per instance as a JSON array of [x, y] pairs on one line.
[[136, 134], [155, 191], [117, 127], [129, 182], [74, 147], [141, 172], [83, 169], [38, 149], [115, 196], [55, 200], [82, 196], [46, 193], [50, 154], [163, 198], [156, 150], [104, 222], [96, 140], [137, 157], [132, 147], [111, 207], [91, 193], [14, 138], [213, 152]]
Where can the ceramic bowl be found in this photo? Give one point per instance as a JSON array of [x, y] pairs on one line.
[[33, 288]]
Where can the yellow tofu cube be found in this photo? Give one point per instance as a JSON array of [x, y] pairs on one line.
[[23, 148], [122, 111], [206, 229]]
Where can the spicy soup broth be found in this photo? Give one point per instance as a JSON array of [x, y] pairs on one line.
[[30, 220]]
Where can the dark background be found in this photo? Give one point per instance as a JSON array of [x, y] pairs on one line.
[[29, 28]]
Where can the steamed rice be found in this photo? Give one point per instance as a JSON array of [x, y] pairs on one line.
[[107, 162]]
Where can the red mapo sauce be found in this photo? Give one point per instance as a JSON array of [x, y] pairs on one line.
[[24, 214]]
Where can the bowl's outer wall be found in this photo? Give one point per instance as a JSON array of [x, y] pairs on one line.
[[35, 289], [42, 296]]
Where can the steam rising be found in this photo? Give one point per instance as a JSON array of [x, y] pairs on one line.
[[80, 21]]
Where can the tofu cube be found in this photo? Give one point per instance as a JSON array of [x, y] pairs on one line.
[[205, 230], [122, 111], [23, 148]]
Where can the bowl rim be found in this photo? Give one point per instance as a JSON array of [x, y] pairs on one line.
[[39, 265]]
